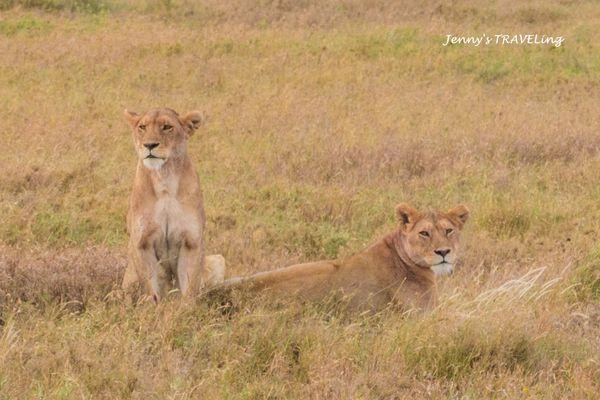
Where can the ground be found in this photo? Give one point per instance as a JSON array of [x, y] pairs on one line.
[[321, 117]]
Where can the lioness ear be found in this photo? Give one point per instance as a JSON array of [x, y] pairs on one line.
[[459, 213], [406, 215], [192, 121], [132, 117]]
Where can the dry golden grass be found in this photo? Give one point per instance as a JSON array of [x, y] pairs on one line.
[[321, 117]]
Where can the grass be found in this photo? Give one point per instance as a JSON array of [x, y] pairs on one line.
[[321, 117]]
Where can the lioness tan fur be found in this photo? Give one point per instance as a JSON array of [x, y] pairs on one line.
[[166, 214], [400, 267]]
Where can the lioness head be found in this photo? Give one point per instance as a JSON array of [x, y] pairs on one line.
[[431, 239], [161, 134]]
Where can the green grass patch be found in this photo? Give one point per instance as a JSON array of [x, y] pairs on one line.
[[27, 25], [507, 221], [586, 279], [54, 227], [82, 6], [458, 354]]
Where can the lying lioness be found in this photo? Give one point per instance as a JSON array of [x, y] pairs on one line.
[[166, 214], [399, 268]]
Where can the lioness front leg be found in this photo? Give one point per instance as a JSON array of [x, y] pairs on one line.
[[189, 266], [130, 278], [151, 272]]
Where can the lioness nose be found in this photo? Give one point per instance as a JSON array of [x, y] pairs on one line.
[[442, 252], [150, 146]]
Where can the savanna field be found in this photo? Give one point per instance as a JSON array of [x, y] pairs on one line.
[[321, 116]]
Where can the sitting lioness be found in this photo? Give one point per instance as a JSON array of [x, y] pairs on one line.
[[166, 214], [399, 268]]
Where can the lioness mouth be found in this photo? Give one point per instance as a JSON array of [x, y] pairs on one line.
[[151, 156], [443, 268], [443, 262]]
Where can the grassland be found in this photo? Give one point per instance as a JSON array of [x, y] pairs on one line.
[[321, 117]]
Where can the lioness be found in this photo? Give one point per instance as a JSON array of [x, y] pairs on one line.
[[400, 268], [166, 214]]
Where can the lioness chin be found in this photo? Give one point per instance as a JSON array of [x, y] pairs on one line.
[[166, 214], [400, 268]]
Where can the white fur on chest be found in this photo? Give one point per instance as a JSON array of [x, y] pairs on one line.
[[170, 216], [174, 222], [167, 215]]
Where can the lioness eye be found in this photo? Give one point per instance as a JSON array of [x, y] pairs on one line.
[[449, 231], [167, 127], [424, 233], [142, 127]]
